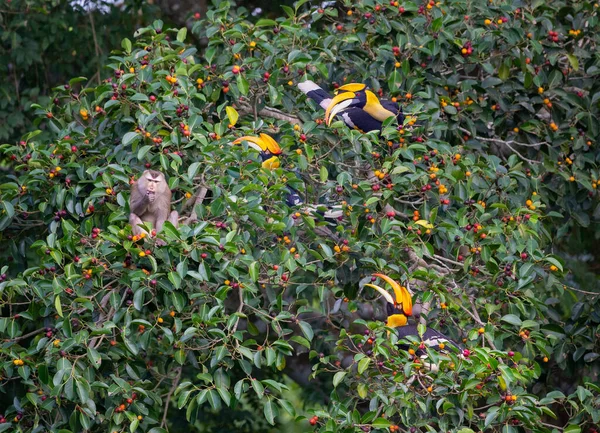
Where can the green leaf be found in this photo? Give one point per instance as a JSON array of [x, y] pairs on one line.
[[572, 428], [94, 357], [363, 364], [450, 109], [182, 34], [363, 390], [264, 22], [491, 416], [130, 137], [269, 411], [338, 377], [58, 306], [573, 61], [126, 45], [512, 319], [381, 423], [258, 387], [242, 84], [504, 72], [324, 174], [253, 270], [554, 262], [307, 330]]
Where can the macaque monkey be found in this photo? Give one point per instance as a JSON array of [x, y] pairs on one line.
[[150, 202]]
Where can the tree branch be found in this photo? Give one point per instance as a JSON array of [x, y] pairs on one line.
[[509, 144], [163, 423], [274, 113]]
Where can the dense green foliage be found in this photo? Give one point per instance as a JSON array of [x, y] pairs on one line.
[[104, 333], [45, 41]]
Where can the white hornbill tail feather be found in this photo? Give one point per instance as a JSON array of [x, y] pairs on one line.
[[316, 93], [327, 212]]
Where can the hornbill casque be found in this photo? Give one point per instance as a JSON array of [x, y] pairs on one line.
[[399, 308], [269, 151], [357, 106]]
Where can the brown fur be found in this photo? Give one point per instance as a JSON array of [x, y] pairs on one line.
[[150, 202]]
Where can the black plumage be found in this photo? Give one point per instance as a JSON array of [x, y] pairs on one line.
[[359, 108]]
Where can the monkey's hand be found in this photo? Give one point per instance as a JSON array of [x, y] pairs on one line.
[[151, 196]]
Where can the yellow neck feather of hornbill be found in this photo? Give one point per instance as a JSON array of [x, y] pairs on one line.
[[396, 320], [271, 163], [375, 109], [352, 87]]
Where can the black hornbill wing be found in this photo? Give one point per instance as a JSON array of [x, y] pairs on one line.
[[431, 338], [359, 119], [394, 108], [293, 197]]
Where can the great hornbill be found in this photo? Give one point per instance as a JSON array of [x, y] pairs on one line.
[[357, 106], [398, 312], [269, 151]]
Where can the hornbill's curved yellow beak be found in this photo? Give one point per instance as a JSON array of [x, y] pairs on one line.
[[271, 163], [352, 96], [352, 87], [339, 102], [401, 305], [263, 143]]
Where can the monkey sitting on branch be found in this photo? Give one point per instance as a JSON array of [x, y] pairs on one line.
[[150, 202]]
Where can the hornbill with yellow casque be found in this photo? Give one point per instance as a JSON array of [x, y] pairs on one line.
[[358, 107], [269, 151], [399, 309]]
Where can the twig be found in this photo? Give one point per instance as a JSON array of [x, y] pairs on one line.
[[23, 337], [508, 144], [96, 47], [444, 259], [239, 309], [420, 262], [269, 112], [163, 423], [201, 194], [96, 341], [585, 292]]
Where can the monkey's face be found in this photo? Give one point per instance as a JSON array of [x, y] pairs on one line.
[[152, 181]]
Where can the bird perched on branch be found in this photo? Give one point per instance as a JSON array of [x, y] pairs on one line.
[[399, 309], [269, 151], [358, 107]]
